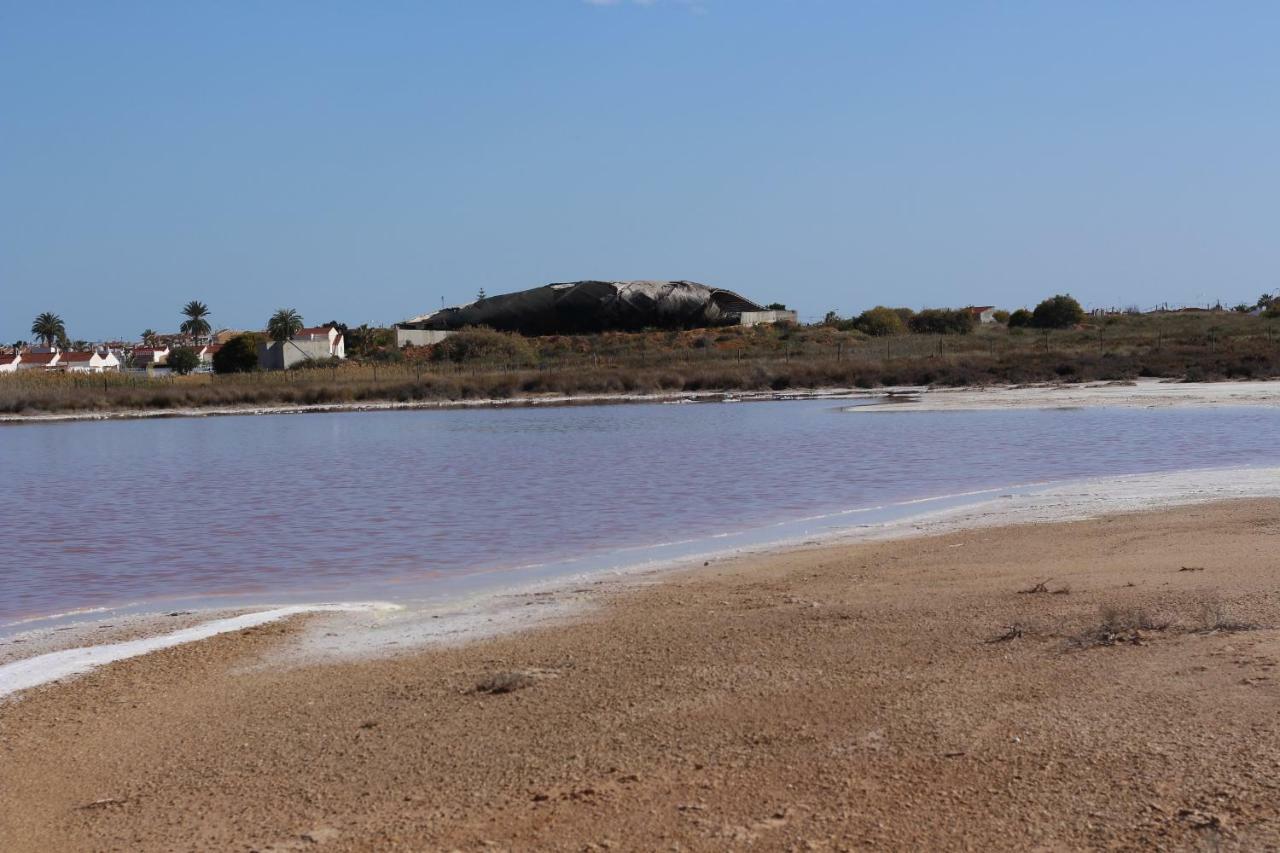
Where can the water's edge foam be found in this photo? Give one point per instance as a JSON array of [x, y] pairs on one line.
[[42, 669]]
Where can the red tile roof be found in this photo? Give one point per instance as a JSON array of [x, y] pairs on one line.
[[77, 356], [38, 357]]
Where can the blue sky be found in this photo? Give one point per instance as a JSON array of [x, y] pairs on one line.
[[362, 161]]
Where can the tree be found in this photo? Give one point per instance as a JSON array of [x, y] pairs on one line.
[[183, 360], [284, 324], [942, 321], [49, 328], [1020, 319], [476, 343], [1001, 316], [880, 321], [195, 325], [1057, 312], [480, 295], [149, 337], [238, 355]]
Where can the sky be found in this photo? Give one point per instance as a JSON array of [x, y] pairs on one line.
[[369, 161]]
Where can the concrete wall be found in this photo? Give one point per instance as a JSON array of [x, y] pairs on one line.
[[759, 318], [281, 356], [419, 337]]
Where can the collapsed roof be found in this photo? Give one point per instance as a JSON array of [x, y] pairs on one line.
[[579, 307]]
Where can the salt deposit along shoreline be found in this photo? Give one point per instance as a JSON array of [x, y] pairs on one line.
[[1142, 393], [494, 603]]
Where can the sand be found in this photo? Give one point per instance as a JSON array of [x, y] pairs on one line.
[[829, 698]]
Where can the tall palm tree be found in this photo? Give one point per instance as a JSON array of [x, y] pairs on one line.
[[284, 324], [195, 325], [149, 337], [49, 328]]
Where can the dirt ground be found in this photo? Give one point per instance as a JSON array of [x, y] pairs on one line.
[[901, 695]]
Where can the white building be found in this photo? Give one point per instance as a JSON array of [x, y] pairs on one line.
[[39, 360], [94, 361], [9, 363], [984, 314], [206, 352], [144, 357], [316, 344]]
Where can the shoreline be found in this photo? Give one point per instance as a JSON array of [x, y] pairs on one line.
[[1141, 393], [488, 604], [905, 693]]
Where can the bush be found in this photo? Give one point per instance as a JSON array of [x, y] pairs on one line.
[[1001, 317], [1057, 312], [1020, 319], [183, 360], [238, 355], [481, 344], [880, 321], [943, 321]]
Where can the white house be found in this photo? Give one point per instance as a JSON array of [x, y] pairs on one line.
[[9, 363], [329, 335], [149, 356], [984, 314], [94, 361], [206, 352], [39, 360], [316, 344]]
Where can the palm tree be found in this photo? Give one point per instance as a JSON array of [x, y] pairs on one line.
[[195, 325], [284, 324], [149, 337], [49, 328]]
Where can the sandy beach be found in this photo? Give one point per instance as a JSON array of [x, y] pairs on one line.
[[1100, 683]]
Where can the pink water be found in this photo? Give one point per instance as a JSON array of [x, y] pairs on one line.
[[112, 513]]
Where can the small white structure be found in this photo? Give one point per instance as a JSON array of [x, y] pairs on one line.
[[206, 352], [419, 337], [144, 357], [764, 318], [9, 363], [315, 344], [984, 314], [94, 361], [39, 360]]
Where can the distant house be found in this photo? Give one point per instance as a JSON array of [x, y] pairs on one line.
[[144, 357], [39, 360], [320, 343], [94, 361], [206, 352], [984, 314], [9, 363]]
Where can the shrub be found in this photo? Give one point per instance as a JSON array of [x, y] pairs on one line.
[[1057, 312], [481, 344], [942, 321], [1020, 319], [238, 355], [183, 360], [880, 321], [1001, 317]]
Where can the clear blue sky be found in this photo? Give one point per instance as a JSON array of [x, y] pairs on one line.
[[361, 161]]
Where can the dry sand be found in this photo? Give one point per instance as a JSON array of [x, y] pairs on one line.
[[832, 698]]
